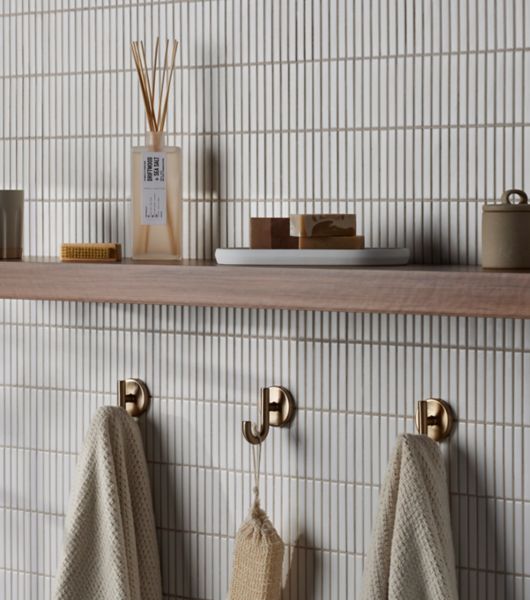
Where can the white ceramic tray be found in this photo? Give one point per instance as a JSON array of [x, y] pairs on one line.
[[303, 258]]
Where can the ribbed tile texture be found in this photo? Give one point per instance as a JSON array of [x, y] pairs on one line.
[[410, 113]]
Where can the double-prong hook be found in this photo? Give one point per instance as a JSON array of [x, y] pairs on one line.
[[277, 409]]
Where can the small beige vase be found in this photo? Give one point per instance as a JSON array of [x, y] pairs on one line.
[[11, 223], [506, 233]]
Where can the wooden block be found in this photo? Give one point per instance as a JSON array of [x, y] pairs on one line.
[[271, 232], [355, 242], [322, 225]]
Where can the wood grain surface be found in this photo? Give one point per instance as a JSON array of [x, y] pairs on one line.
[[465, 291]]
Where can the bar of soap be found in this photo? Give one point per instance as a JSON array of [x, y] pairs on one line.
[[355, 242], [271, 232], [322, 225]]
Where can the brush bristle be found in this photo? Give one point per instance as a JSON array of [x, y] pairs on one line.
[[91, 252]]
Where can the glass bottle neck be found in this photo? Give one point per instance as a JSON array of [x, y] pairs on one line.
[[155, 140]]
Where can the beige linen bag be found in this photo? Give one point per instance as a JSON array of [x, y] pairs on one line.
[[258, 555]]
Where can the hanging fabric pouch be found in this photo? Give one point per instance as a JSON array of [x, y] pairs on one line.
[[258, 555]]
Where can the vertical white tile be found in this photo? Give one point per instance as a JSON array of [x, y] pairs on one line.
[[410, 113]]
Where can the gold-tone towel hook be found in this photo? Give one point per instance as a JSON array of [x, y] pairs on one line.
[[133, 396], [434, 418], [277, 409]]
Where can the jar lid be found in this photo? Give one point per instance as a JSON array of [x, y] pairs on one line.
[[508, 205]]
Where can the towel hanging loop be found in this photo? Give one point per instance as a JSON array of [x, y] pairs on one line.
[[277, 409], [434, 418], [133, 396]]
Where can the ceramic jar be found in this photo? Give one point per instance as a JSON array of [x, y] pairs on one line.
[[506, 232]]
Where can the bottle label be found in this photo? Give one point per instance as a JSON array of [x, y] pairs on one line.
[[154, 209]]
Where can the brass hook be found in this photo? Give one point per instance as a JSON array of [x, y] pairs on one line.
[[434, 418], [277, 409], [133, 396]]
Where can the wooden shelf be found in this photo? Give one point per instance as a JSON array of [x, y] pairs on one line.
[[464, 291]]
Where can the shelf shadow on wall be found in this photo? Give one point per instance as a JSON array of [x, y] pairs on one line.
[[211, 235]]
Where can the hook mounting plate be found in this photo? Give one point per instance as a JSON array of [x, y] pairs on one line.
[[439, 421], [134, 396], [281, 406]]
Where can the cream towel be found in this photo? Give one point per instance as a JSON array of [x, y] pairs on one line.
[[110, 547], [412, 555]]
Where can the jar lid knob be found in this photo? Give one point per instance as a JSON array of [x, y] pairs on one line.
[[505, 198]]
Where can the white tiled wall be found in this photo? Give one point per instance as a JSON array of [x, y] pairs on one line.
[[410, 112]]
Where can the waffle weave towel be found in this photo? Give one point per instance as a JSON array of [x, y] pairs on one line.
[[412, 552], [110, 547]]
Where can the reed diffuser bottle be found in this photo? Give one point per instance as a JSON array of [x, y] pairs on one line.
[[156, 168]]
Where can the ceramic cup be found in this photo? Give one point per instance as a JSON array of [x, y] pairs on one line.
[[11, 223]]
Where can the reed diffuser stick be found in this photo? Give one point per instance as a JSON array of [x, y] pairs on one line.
[[145, 96], [155, 63], [171, 71], [162, 81], [145, 71], [156, 115]]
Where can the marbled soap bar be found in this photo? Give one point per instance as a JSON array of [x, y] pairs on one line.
[[322, 225], [271, 232], [339, 242]]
